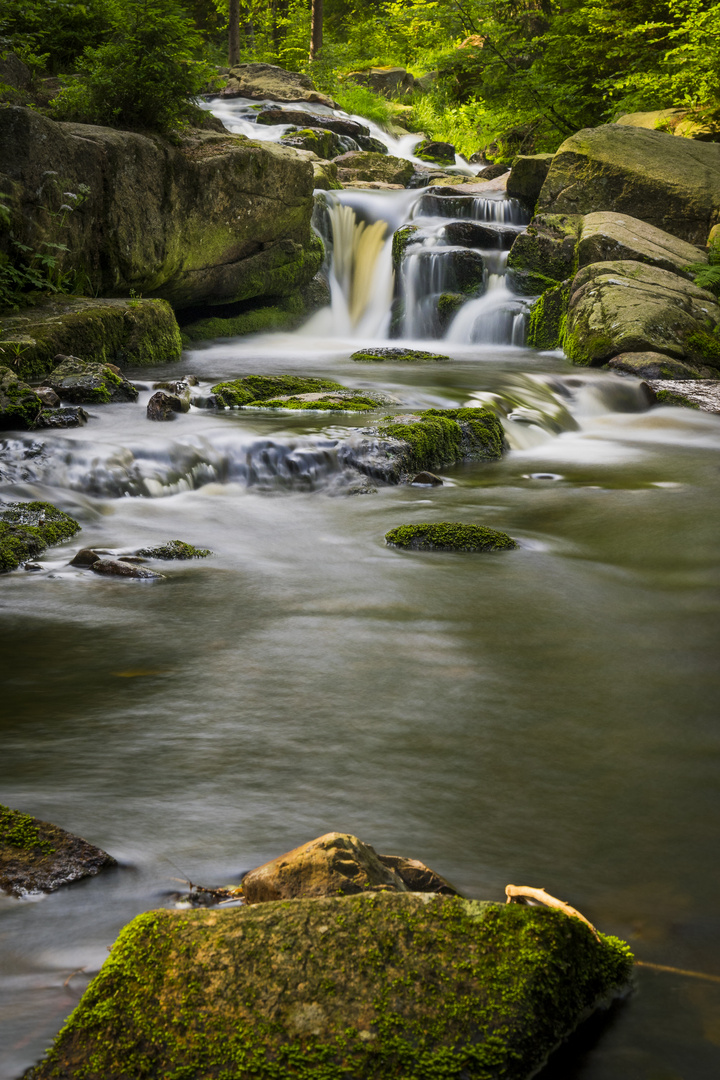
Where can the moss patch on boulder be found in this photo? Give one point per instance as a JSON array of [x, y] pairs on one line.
[[36, 856], [449, 536], [26, 529], [83, 382], [20, 407], [368, 165], [124, 332], [326, 144], [546, 325], [397, 355], [350, 988], [258, 388], [546, 248], [175, 549], [337, 401]]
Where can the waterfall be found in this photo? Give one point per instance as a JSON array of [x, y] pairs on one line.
[[361, 285]]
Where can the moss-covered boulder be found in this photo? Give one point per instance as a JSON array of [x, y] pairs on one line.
[[27, 529], [607, 237], [668, 182], [652, 365], [408, 444], [449, 536], [402, 239], [299, 117], [548, 315], [451, 270], [544, 254], [440, 153], [326, 144], [84, 382], [397, 355], [124, 332], [20, 406], [268, 82], [347, 988], [325, 176], [213, 218], [36, 856], [626, 306], [255, 388], [480, 234], [334, 401], [527, 176], [174, 549], [367, 165]]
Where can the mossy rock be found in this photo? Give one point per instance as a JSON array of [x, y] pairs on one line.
[[253, 389], [527, 176], [26, 529], [326, 144], [402, 238], [548, 315], [346, 988], [438, 153], [448, 305], [652, 365], [123, 332], [669, 397], [36, 856], [449, 536], [84, 382], [175, 549], [397, 355], [546, 248], [369, 166], [20, 407], [337, 401]]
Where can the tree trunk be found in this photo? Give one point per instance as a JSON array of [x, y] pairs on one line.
[[233, 33], [316, 28], [279, 24]]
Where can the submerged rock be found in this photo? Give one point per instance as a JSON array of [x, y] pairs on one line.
[[427, 479], [392, 985], [85, 382], [27, 529], [397, 355], [175, 549], [449, 536], [110, 567], [36, 856]]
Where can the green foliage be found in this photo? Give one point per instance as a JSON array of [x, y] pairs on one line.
[[706, 276], [53, 33], [144, 76], [363, 102]]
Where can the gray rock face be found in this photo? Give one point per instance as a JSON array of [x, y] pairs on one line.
[[369, 166], [527, 176], [651, 365], [74, 416], [214, 220], [392, 82], [84, 382], [547, 247], [669, 182], [109, 567], [625, 306], [608, 236], [268, 82], [690, 393], [480, 234], [164, 406]]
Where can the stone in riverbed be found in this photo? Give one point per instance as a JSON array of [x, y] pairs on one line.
[[85, 558], [73, 416], [368, 165], [20, 406], [449, 536], [390, 984], [326, 144], [608, 236], [480, 234], [427, 479], [175, 549], [397, 355], [162, 406], [36, 856], [48, 397], [256, 388], [652, 365], [85, 382], [690, 393], [110, 567], [26, 529], [441, 153], [304, 119]]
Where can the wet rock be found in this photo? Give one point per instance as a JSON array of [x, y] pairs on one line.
[[625, 306], [392, 82], [313, 120], [85, 382], [671, 183], [27, 529], [427, 479], [461, 270], [494, 171], [175, 549], [367, 165], [688, 393], [20, 406], [652, 365], [448, 305], [48, 397], [36, 856], [527, 176], [610, 236], [257, 388], [73, 416], [417, 876], [396, 355], [325, 176], [162, 406], [335, 401], [449, 536], [441, 153], [544, 254], [33, 567], [391, 984], [546, 325], [121, 568], [267, 82], [326, 144], [85, 557], [333, 864], [480, 234], [403, 238]]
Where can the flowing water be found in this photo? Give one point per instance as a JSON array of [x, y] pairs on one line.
[[547, 716]]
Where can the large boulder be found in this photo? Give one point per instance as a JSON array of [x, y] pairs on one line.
[[323, 143], [20, 406], [26, 529], [36, 856], [125, 332], [213, 219], [650, 365], [392, 985], [544, 254], [368, 165], [267, 82], [671, 183], [527, 176], [86, 382], [389, 81], [441, 153], [625, 306], [608, 236], [339, 124]]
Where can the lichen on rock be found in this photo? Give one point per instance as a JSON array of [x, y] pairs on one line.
[[449, 536]]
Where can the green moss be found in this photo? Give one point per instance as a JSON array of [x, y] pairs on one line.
[[443, 436], [449, 536], [356, 403], [705, 347], [26, 529], [448, 305], [669, 397], [20, 831], [393, 986], [20, 406], [175, 549], [396, 355], [548, 316], [260, 388], [401, 238]]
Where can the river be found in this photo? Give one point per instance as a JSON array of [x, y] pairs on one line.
[[546, 716]]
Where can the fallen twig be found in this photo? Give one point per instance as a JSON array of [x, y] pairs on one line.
[[526, 891]]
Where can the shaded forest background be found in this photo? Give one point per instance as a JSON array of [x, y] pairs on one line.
[[515, 75]]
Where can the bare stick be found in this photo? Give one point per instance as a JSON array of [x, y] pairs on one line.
[[678, 971], [511, 891], [73, 975]]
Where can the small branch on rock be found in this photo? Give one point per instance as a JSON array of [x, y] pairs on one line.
[[79, 970], [521, 893]]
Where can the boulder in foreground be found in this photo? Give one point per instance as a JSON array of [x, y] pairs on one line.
[[27, 529], [348, 988], [36, 856]]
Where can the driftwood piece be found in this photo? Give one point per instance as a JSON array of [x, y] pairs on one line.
[[526, 892]]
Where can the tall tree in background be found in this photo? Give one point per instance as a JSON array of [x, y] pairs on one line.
[[233, 33], [316, 28]]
